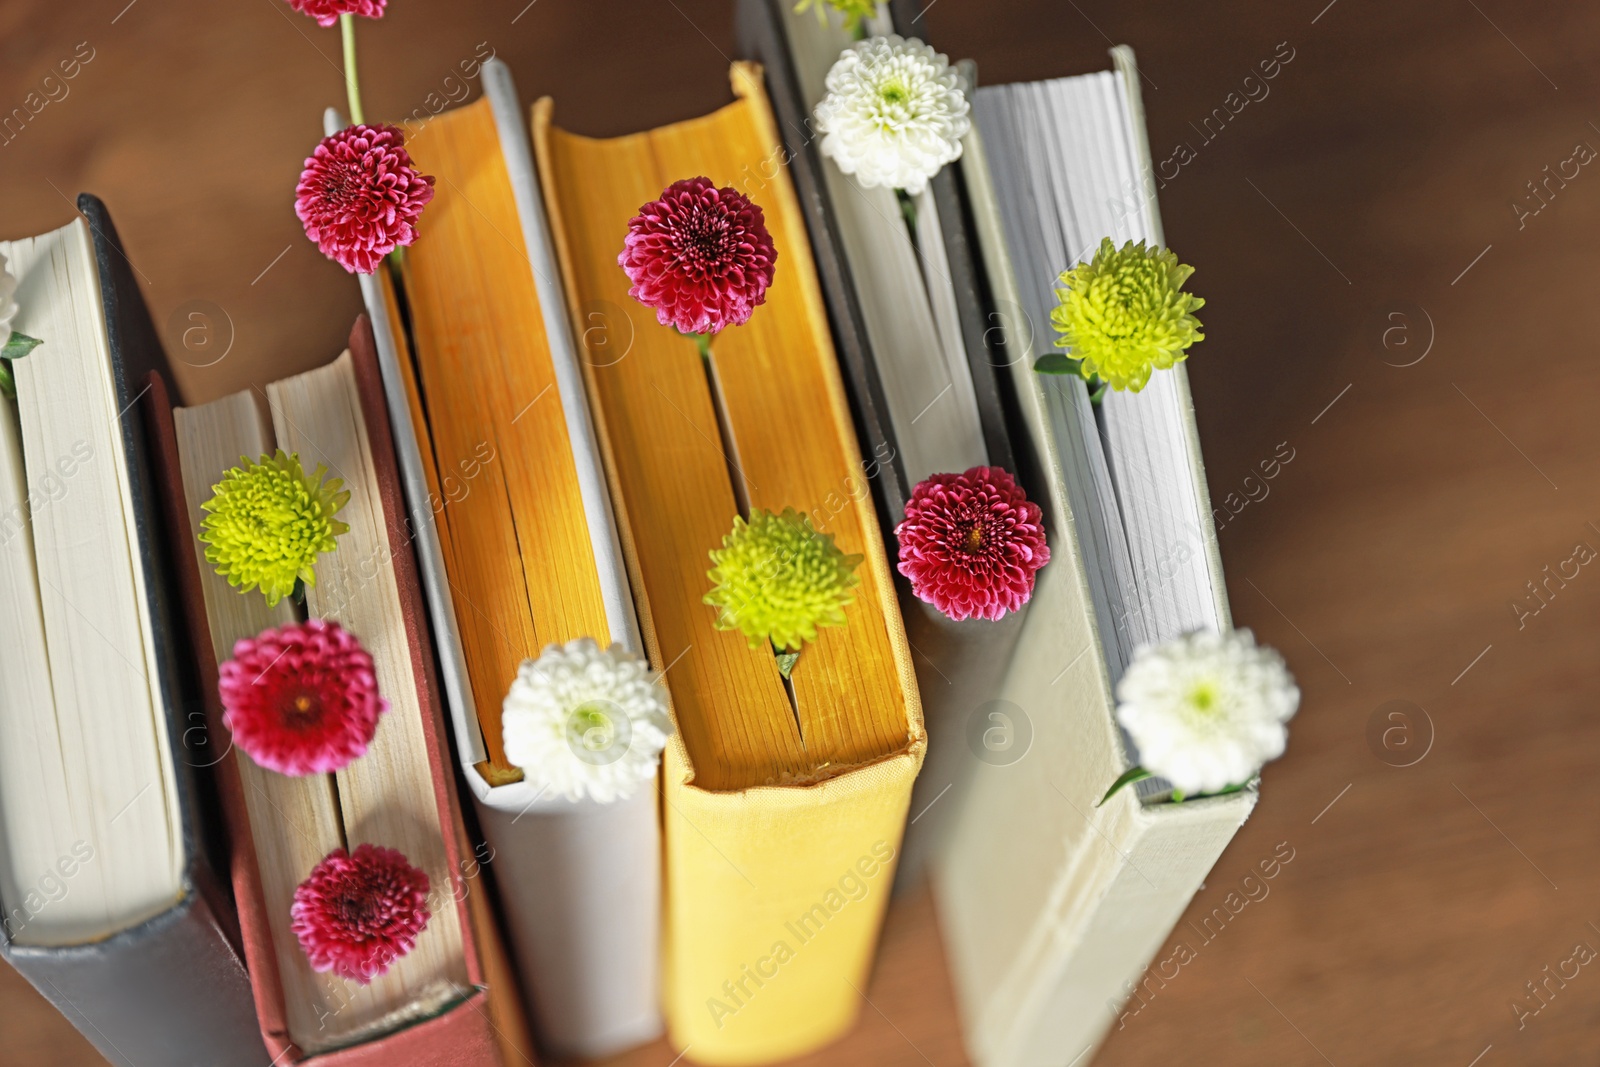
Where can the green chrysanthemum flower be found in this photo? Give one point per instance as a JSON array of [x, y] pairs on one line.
[[777, 579], [267, 523], [1125, 314], [854, 11]]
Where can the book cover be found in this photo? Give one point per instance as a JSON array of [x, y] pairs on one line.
[[783, 803]]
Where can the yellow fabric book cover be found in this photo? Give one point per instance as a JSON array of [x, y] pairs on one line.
[[784, 801]]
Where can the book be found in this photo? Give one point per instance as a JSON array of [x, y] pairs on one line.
[[783, 803], [450, 998], [511, 518], [912, 323], [1049, 925], [114, 908]]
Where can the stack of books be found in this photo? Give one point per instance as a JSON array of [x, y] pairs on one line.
[[513, 482]]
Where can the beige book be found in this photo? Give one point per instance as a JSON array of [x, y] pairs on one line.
[[1050, 906], [387, 796]]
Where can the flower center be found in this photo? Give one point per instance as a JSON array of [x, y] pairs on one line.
[[357, 908], [301, 708], [973, 541], [705, 243], [1204, 698], [341, 187], [598, 732], [894, 93]]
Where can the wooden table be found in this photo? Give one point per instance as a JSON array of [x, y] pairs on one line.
[[1375, 300]]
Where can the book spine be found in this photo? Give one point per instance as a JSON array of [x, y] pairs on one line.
[[769, 948], [581, 889], [170, 991], [1137, 908]]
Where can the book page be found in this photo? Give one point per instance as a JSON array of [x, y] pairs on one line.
[[387, 797], [109, 724], [294, 822], [907, 298]]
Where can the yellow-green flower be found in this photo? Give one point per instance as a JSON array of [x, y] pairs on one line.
[[854, 11], [777, 579], [1125, 314], [267, 523]]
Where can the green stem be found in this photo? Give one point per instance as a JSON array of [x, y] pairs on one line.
[[8, 387], [908, 210], [702, 341], [352, 86]]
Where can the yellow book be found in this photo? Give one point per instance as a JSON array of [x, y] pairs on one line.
[[784, 805]]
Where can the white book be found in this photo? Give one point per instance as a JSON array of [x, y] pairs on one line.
[[1048, 924], [579, 881]]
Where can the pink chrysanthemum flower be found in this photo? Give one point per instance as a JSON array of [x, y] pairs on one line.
[[327, 12], [701, 256], [971, 543], [358, 913], [359, 197], [301, 699]]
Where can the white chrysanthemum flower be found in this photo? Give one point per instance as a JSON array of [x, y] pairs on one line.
[[1207, 710], [8, 298], [582, 721], [895, 113]]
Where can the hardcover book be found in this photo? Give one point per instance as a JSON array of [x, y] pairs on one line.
[[112, 869], [450, 998], [784, 799], [511, 518], [1049, 925]]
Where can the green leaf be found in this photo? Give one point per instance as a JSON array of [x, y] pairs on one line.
[[786, 662], [1131, 775], [1057, 363], [19, 345]]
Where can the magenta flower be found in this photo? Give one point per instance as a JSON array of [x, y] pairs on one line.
[[359, 196], [701, 256], [327, 12], [301, 699], [971, 543], [358, 913]]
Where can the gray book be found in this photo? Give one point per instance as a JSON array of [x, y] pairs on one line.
[[109, 849]]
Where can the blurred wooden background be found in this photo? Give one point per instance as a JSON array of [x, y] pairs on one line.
[[1374, 301]]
